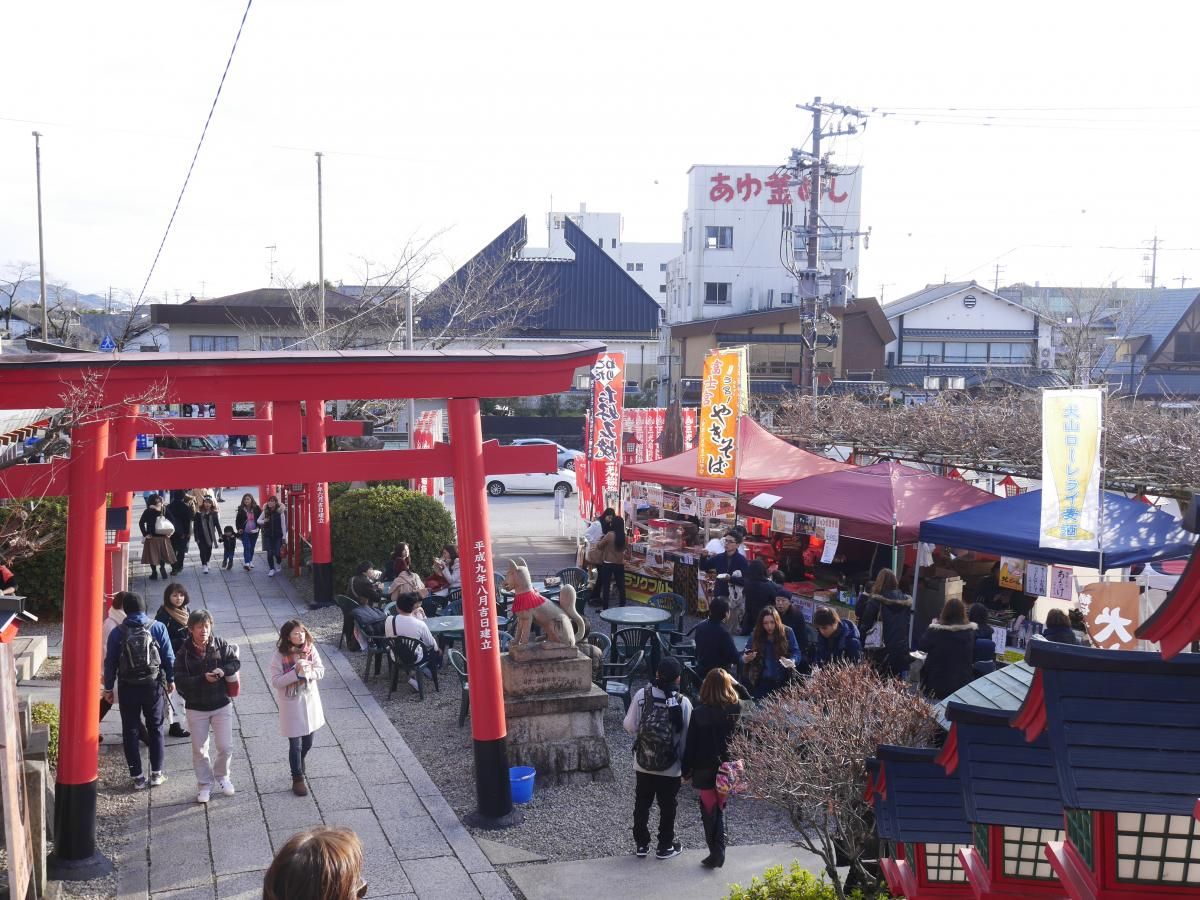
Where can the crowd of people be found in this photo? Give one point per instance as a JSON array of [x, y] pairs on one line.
[[168, 529]]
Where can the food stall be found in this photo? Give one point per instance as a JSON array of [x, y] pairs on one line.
[[675, 511]]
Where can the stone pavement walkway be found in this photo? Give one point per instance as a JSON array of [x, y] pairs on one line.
[[362, 775]]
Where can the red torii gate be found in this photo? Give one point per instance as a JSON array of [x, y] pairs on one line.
[[103, 460]]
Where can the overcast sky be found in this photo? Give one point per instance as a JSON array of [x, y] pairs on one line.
[[457, 118]]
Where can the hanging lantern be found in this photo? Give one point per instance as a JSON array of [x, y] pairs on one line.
[[955, 475], [1011, 488]]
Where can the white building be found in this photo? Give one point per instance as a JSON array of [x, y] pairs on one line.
[[734, 238], [646, 262]]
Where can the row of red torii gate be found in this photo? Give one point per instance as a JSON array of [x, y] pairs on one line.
[[103, 395]]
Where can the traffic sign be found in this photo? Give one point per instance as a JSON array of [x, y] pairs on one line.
[[108, 344]]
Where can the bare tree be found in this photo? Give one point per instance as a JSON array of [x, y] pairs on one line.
[[491, 297], [16, 275], [1092, 317], [62, 313], [805, 750]]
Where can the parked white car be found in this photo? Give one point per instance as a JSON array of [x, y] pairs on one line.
[[532, 483], [566, 458]]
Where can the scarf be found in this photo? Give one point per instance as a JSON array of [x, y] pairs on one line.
[[178, 613]]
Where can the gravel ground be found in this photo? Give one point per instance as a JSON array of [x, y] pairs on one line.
[[563, 823]]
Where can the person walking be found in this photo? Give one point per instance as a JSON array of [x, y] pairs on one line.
[[206, 671], [772, 655], [174, 615], [713, 724], [612, 562], [714, 644], [156, 531], [884, 617], [296, 668], [273, 520], [207, 528], [838, 639], [949, 645], [139, 659], [246, 525], [228, 547], [317, 864], [658, 717], [182, 513]]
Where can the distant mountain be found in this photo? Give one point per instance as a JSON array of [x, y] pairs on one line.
[[30, 292]]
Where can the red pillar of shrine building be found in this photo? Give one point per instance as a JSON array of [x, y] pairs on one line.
[[322, 544], [488, 729], [75, 856]]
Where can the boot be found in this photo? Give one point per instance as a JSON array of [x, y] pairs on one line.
[[718, 838], [162, 568], [298, 786], [153, 574], [706, 820]]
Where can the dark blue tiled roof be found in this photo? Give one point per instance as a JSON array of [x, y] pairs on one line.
[[1153, 385], [914, 376], [964, 333], [590, 295], [926, 802], [1154, 313], [885, 809], [1003, 689], [1123, 727], [689, 388], [1005, 780]]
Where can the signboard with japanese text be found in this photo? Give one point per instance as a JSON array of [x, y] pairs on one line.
[[1112, 612], [1012, 573], [1037, 579], [783, 521], [717, 506], [722, 402], [608, 401], [1071, 423], [1061, 582], [641, 588]]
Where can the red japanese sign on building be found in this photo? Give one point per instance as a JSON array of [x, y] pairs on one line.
[[608, 402], [780, 188]]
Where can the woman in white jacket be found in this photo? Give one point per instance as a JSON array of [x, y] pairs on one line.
[[295, 670]]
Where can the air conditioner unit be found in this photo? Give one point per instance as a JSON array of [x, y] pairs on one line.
[[1045, 352]]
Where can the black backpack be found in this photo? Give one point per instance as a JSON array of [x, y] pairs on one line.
[[139, 662], [654, 747]]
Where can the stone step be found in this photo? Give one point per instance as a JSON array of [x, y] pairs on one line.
[[30, 653]]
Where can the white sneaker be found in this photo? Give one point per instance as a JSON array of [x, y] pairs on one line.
[[412, 683], [157, 778], [249, 565], [225, 786], [206, 570], [204, 793], [270, 573]]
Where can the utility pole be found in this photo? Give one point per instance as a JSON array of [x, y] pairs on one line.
[[813, 307], [320, 255], [408, 345], [271, 265], [1153, 258], [1183, 280], [996, 281], [37, 154]]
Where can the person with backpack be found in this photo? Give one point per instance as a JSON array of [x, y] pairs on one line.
[[658, 717], [207, 674], [140, 660], [406, 624]]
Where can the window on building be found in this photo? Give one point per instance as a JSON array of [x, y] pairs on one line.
[[637, 267], [773, 360], [718, 237], [628, 267], [941, 863], [923, 352], [689, 292], [831, 241], [281, 342], [1010, 354], [600, 242], [716, 293], [787, 299], [1079, 833], [212, 343], [614, 243], [1023, 856], [662, 288], [689, 240], [1187, 348], [662, 267], [1158, 849]]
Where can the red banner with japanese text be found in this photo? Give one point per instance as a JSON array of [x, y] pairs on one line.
[[722, 401], [608, 402]]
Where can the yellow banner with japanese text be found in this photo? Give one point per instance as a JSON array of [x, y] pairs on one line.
[[723, 399], [1071, 428]]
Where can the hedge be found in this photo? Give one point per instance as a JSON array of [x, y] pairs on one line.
[[793, 884], [366, 523], [40, 578]]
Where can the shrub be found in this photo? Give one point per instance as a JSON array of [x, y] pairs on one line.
[[795, 884], [40, 562], [47, 714], [366, 523], [805, 749]]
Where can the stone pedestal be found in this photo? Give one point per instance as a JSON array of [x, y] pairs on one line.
[[555, 719]]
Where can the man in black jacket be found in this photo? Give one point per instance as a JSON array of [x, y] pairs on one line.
[[714, 644], [203, 670]]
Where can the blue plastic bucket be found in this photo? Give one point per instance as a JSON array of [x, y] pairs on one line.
[[521, 779]]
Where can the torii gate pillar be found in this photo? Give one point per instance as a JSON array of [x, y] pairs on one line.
[[75, 856]]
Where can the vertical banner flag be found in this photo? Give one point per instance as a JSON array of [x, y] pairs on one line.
[[689, 428], [722, 401], [1071, 469], [608, 401]]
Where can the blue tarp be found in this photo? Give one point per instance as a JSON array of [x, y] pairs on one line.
[[1133, 532]]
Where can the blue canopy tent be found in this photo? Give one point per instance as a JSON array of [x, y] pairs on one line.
[[1132, 532]]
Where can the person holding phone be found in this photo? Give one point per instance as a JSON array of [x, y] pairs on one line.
[[295, 670], [206, 674], [772, 654]]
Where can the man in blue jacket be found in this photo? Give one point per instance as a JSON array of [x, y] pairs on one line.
[[140, 660]]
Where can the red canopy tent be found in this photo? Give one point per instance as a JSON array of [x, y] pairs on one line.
[[885, 503], [764, 462]]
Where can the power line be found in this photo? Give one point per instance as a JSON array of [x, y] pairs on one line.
[[196, 155]]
